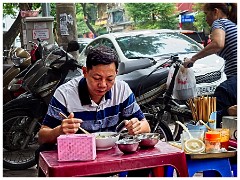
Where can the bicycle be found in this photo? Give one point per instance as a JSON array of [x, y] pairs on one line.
[[166, 108]]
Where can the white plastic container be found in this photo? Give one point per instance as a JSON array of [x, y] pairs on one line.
[[198, 134]]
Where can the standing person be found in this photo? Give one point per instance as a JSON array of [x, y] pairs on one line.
[[94, 101], [222, 17], [226, 95]]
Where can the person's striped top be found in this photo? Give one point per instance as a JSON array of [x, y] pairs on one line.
[[229, 52], [118, 104]]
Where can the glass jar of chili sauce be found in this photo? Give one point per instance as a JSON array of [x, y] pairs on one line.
[[212, 142]]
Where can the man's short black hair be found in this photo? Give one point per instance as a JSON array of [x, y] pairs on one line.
[[101, 55]]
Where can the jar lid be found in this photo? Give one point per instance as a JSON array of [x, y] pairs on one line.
[[212, 135], [194, 146]]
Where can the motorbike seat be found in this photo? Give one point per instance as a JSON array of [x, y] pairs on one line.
[[141, 82], [22, 73], [29, 82]]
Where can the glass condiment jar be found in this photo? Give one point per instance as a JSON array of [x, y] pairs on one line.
[[224, 137], [212, 142]]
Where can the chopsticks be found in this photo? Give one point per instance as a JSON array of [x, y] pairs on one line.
[[83, 130], [202, 107], [193, 109]]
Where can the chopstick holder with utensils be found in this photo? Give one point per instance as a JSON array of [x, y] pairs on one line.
[[202, 107]]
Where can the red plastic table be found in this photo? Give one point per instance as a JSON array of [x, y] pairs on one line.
[[111, 161]]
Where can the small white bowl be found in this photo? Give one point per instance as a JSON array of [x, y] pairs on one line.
[[106, 140]]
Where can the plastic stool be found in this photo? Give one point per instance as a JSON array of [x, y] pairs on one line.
[[211, 173], [234, 169], [207, 166], [222, 165], [159, 172], [168, 171], [123, 174], [216, 174]]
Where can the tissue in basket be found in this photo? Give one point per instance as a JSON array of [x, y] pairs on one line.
[[76, 147]]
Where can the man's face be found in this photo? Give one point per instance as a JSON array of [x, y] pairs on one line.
[[100, 79]]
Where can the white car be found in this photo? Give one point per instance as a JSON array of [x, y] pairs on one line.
[[83, 42], [158, 45]]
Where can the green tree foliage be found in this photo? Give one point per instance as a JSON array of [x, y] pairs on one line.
[[152, 15], [81, 25], [89, 12], [12, 9], [200, 18]]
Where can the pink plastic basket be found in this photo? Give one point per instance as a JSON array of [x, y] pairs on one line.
[[76, 147]]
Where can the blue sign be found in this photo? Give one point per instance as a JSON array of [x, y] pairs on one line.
[[187, 18]]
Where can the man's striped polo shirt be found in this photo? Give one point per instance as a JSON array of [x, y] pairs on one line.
[[118, 104]]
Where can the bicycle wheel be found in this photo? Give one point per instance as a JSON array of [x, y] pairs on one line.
[[162, 128], [170, 120]]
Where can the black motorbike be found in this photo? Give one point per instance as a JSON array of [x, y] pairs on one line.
[[21, 60], [22, 116], [39, 51]]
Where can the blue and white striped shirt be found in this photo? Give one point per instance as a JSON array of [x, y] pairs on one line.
[[118, 104], [229, 52]]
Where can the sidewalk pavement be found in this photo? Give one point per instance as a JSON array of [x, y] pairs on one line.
[[31, 172]]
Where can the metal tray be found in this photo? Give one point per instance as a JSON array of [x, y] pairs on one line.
[[230, 153]]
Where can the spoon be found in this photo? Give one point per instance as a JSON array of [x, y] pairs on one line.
[[192, 145], [83, 130], [120, 127], [205, 125]]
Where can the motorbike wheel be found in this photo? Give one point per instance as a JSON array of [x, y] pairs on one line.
[[162, 129], [15, 130]]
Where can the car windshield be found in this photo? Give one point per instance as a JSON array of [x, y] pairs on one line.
[[152, 45]]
